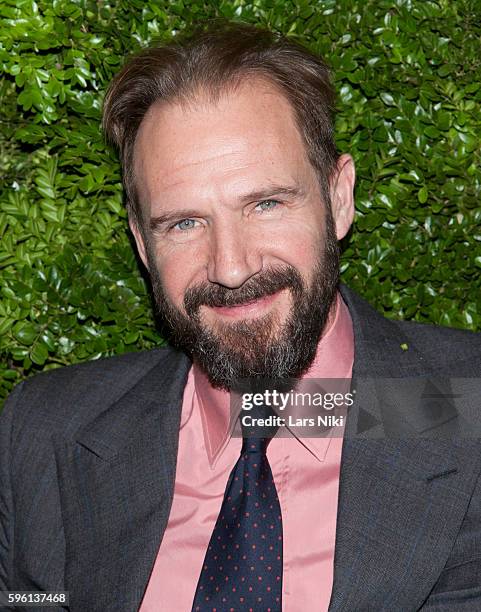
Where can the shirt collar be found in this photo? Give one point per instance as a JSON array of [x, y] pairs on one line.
[[333, 359]]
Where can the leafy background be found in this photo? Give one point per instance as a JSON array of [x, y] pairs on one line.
[[408, 76]]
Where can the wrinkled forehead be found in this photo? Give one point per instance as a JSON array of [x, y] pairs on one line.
[[251, 126]]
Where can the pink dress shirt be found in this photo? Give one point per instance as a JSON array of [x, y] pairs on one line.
[[306, 473]]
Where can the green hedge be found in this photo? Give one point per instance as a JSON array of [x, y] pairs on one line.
[[408, 73]]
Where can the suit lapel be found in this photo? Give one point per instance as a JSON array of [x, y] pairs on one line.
[[401, 499], [401, 504], [116, 481]]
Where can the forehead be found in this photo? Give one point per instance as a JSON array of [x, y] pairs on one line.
[[249, 130]]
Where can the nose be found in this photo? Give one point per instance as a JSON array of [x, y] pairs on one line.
[[233, 256]]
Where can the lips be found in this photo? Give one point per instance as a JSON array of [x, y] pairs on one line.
[[251, 308]]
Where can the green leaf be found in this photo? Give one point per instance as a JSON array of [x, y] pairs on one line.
[[423, 195], [39, 353], [387, 99], [25, 332], [445, 70]]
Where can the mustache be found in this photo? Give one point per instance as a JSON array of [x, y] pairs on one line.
[[264, 283]]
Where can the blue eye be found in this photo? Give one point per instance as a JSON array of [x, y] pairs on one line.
[[185, 224], [267, 204]]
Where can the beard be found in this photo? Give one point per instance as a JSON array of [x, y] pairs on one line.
[[262, 348]]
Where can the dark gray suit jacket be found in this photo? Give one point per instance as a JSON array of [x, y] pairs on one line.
[[87, 468]]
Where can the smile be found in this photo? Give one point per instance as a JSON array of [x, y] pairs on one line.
[[249, 309]]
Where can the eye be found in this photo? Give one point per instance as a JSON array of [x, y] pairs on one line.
[[184, 224], [266, 205]]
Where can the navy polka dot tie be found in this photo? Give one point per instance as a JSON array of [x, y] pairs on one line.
[[242, 569]]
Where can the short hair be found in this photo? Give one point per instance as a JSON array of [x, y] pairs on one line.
[[212, 61]]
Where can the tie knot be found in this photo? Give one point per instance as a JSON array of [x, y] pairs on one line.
[[259, 423]]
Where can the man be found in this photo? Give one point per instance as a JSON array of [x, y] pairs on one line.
[[114, 475]]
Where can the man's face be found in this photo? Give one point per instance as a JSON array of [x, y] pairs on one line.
[[239, 244]]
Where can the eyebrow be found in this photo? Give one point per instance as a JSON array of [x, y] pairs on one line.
[[186, 213], [172, 215]]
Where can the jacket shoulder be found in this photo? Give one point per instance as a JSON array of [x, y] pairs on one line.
[[457, 351], [67, 398], [385, 343], [460, 342]]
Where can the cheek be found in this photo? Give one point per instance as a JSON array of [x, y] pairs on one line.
[[179, 269], [297, 243]]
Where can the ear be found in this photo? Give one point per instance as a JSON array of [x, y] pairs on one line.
[[342, 195], [139, 240]]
